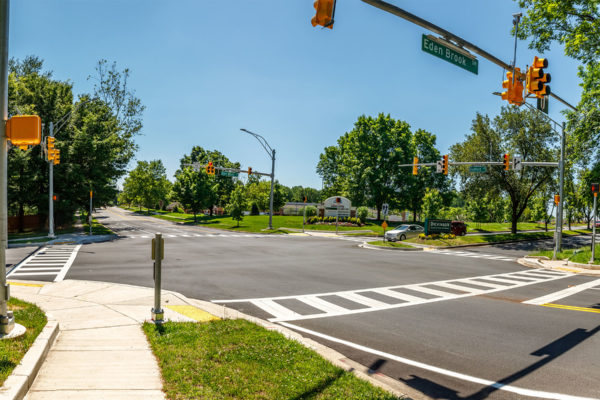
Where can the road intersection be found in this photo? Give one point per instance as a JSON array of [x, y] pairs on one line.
[[453, 323]]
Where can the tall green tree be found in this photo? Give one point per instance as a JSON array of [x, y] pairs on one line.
[[237, 204], [517, 132], [432, 203], [196, 190], [147, 184]]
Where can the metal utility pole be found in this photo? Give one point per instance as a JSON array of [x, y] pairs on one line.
[[271, 152], [594, 229], [7, 321], [559, 216], [51, 191]]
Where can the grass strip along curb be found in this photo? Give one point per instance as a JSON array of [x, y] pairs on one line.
[[13, 350], [237, 359], [483, 240], [580, 256], [391, 246]]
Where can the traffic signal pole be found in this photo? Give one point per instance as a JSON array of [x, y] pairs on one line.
[[272, 183], [51, 191], [397, 11], [7, 321]]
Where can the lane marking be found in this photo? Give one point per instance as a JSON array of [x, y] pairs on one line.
[[574, 308], [443, 371], [552, 297], [68, 264]]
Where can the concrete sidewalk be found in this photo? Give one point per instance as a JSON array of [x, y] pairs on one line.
[[101, 351]]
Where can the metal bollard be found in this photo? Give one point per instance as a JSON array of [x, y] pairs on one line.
[[158, 253]]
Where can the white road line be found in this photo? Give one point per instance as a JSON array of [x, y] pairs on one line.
[[484, 284], [275, 309], [438, 370], [321, 304], [364, 300], [401, 296], [459, 287], [563, 293]]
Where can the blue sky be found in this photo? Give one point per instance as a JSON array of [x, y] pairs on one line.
[[204, 69]]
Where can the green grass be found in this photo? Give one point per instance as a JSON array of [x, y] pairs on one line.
[[389, 244], [500, 227], [235, 359], [581, 255], [13, 350], [474, 239], [97, 228], [24, 235]]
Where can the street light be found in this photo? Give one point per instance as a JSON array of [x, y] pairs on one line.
[[61, 123], [271, 152]]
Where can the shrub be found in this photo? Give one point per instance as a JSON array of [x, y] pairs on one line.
[[254, 209], [362, 213], [311, 210]]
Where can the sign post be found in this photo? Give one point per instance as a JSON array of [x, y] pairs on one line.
[[158, 253], [304, 216], [91, 196], [595, 189], [384, 225]]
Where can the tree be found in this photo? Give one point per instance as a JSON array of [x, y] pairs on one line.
[[259, 192], [147, 184], [432, 203], [237, 204], [514, 131], [194, 189], [364, 164]]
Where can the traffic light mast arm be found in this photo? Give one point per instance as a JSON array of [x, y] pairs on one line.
[[392, 9]]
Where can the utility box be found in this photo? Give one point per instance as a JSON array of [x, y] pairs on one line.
[[24, 130]]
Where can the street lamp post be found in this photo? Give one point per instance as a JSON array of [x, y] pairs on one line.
[[271, 152]]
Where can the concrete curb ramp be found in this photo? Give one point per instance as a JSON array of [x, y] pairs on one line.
[[18, 383]]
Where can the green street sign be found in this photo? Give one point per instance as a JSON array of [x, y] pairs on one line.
[[449, 52], [437, 226], [477, 168], [230, 174]]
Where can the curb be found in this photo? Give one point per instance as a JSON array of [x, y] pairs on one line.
[[536, 262], [18, 383], [376, 247], [338, 359]]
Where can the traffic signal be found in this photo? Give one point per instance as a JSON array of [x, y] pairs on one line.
[[56, 159], [595, 188], [536, 78], [210, 168], [24, 130], [249, 171], [556, 199], [51, 150], [514, 90], [305, 199], [324, 16], [445, 164], [415, 166], [506, 162]]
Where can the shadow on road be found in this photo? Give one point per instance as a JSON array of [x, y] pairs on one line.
[[550, 352]]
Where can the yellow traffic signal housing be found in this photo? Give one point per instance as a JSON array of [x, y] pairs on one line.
[[324, 15], [24, 130], [51, 150], [210, 168], [445, 165], [249, 171], [506, 161], [508, 85], [514, 90], [537, 79], [56, 159], [415, 165]]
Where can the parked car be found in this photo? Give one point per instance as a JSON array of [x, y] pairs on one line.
[[458, 228], [403, 232]]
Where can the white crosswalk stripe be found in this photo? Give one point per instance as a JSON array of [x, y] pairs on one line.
[[47, 261], [384, 298], [472, 254]]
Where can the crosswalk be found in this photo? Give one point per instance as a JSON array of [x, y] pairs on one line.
[[48, 262], [137, 235], [472, 254], [322, 305]]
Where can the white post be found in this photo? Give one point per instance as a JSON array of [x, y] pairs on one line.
[[304, 218], [51, 191], [594, 230], [7, 321], [90, 216]]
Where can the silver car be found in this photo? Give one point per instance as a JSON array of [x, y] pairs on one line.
[[403, 232]]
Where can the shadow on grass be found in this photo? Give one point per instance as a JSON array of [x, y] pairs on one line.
[[319, 388], [7, 365]]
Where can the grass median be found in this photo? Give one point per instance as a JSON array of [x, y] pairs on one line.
[[236, 359], [13, 350], [390, 244], [582, 255], [97, 228], [491, 239]]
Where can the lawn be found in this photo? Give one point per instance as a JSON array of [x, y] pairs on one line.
[[581, 255], [389, 244], [236, 359], [13, 350], [25, 235], [97, 228], [474, 239], [506, 226]]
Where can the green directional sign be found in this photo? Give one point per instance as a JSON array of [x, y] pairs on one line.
[[449, 52], [477, 168], [230, 174]]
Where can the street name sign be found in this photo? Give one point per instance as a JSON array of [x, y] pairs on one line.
[[477, 168], [449, 52], [230, 174]]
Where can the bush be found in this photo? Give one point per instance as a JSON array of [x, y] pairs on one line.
[[254, 209], [310, 211], [362, 213]]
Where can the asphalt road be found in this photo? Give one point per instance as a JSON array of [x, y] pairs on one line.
[[478, 342]]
